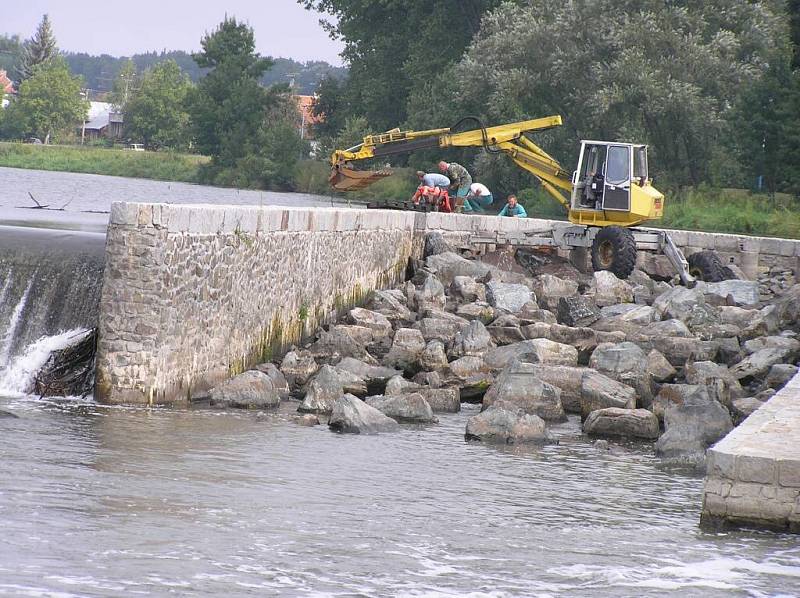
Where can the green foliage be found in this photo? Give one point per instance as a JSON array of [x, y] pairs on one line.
[[157, 114], [394, 46], [48, 103], [10, 54], [162, 166], [38, 50], [126, 85]]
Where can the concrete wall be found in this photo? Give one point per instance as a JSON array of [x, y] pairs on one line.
[[194, 294], [753, 473]]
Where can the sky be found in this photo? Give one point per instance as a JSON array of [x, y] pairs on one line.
[[126, 27]]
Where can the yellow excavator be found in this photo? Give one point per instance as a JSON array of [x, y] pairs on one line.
[[606, 197]]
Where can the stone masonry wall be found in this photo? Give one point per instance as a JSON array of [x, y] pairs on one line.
[[195, 294], [753, 474]]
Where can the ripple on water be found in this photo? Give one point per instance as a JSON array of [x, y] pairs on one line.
[[100, 500]]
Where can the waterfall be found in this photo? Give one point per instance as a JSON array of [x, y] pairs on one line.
[[13, 324]]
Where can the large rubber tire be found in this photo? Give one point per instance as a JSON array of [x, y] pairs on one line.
[[614, 249], [706, 266]]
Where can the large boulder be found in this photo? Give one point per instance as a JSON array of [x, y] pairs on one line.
[[758, 364], [431, 293], [577, 311], [466, 289], [375, 376], [672, 395], [505, 424], [630, 423], [472, 339], [433, 357], [583, 339], [518, 385], [641, 315], [538, 350], [442, 400], [679, 303], [391, 305], [476, 311], [399, 385], [721, 385], [678, 350], [508, 296], [599, 391], [549, 289], [607, 289], [742, 408], [626, 363], [279, 382], [407, 347], [791, 345], [565, 378], [699, 417], [376, 322], [335, 344], [659, 367], [322, 391], [405, 408], [437, 328], [779, 375], [298, 367], [448, 265], [351, 415], [250, 390], [739, 292]]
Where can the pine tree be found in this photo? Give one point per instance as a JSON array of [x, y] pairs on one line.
[[41, 48]]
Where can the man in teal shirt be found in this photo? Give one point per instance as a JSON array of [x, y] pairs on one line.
[[513, 209]]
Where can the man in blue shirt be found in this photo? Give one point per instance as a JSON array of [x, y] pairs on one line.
[[433, 179], [513, 209]]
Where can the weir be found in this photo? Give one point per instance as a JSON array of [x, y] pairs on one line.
[[50, 283]]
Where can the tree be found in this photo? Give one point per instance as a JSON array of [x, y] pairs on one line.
[[38, 50], [662, 73], [157, 114], [126, 85], [10, 54], [396, 47], [48, 103]]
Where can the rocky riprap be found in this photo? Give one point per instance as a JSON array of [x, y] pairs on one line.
[[638, 359]]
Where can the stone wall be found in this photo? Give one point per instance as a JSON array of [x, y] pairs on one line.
[[753, 475], [194, 294]]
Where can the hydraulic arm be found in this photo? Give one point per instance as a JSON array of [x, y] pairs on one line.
[[509, 139]]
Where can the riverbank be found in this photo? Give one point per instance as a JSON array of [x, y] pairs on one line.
[[703, 209]]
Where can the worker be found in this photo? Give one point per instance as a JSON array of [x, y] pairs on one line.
[[432, 179], [479, 197], [513, 208], [460, 182], [433, 189]]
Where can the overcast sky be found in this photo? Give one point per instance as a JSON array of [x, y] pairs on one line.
[[125, 27]]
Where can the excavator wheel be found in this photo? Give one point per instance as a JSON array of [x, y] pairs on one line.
[[614, 249], [706, 266]]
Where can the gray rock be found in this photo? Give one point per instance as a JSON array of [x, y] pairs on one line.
[[679, 302], [577, 311], [399, 385], [390, 305], [351, 383], [476, 311], [538, 350], [531, 314], [641, 315], [435, 244], [376, 322], [779, 374], [744, 407], [375, 376], [599, 391], [519, 386], [406, 408], [791, 345], [565, 378], [659, 367], [681, 444], [437, 329], [583, 339], [250, 390], [433, 357], [360, 334], [465, 288], [618, 359], [759, 363], [431, 293], [449, 265], [439, 314], [721, 385], [607, 289], [707, 417], [442, 400], [472, 339], [298, 367], [742, 292], [507, 296], [679, 350], [351, 415], [505, 335], [671, 395], [335, 344], [466, 366], [503, 424], [279, 382], [308, 420], [630, 423], [406, 350], [549, 289], [537, 330], [671, 327], [322, 391]]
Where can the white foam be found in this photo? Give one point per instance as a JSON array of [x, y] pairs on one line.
[[12, 325], [19, 375]]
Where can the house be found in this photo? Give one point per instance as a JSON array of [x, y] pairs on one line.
[[102, 122], [307, 119], [6, 85]]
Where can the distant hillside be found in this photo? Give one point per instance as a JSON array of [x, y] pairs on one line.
[[100, 71]]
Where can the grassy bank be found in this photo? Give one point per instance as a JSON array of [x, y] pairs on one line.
[[162, 166]]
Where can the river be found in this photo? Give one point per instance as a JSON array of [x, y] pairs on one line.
[[121, 501]]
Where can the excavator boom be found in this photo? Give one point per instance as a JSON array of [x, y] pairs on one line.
[[509, 139]]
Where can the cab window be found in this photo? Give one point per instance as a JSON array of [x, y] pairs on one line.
[[618, 166]]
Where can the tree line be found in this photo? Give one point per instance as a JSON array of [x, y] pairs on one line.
[[713, 87], [249, 130]]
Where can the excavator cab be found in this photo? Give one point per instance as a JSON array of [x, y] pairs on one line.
[[612, 177]]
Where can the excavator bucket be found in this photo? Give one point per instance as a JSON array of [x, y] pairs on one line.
[[346, 179]]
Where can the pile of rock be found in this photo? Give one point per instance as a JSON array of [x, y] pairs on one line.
[[636, 358]]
